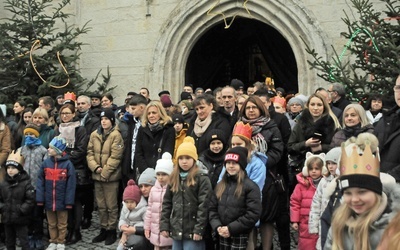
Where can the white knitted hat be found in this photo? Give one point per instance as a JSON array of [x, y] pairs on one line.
[[165, 164]]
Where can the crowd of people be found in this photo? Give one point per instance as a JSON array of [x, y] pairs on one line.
[[217, 170]]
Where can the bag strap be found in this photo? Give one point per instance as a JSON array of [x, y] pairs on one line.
[[160, 144], [273, 175]]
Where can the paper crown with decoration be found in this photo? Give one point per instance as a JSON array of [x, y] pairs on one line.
[[70, 96], [16, 159], [360, 168], [242, 130]]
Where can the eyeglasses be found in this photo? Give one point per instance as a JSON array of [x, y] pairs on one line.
[[396, 88], [251, 107], [65, 113]]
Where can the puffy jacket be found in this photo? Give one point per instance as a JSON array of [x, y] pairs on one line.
[[134, 217], [185, 212], [105, 151], [5, 142], [17, 199], [300, 206], [147, 144], [153, 216], [178, 141], [239, 214], [34, 156], [56, 184]]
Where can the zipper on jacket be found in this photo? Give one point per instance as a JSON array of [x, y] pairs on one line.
[[54, 185]]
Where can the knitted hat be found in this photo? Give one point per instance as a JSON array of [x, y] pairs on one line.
[[178, 118], [187, 148], [148, 177], [186, 96], [199, 89], [166, 101], [297, 100], [310, 156], [216, 134], [16, 159], [132, 192], [58, 144], [33, 129], [237, 84], [188, 104], [238, 155], [333, 155], [360, 168], [165, 164], [109, 113]]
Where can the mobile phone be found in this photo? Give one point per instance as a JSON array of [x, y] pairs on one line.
[[317, 136]]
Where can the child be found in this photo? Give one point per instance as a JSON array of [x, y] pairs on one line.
[[300, 201], [185, 204], [370, 200], [132, 215], [17, 199], [320, 201], [180, 131], [163, 170], [213, 158], [236, 205], [56, 176]]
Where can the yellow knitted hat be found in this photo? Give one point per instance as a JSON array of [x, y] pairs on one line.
[[187, 148]]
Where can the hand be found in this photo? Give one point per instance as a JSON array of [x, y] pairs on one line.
[[312, 142], [295, 226], [197, 237], [124, 228], [98, 171], [223, 232], [165, 234], [147, 234]]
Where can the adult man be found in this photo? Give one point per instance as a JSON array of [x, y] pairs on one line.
[[218, 96], [88, 120], [95, 99], [129, 127], [229, 109], [338, 95], [188, 88], [145, 92], [47, 103], [388, 132], [238, 86], [250, 90]]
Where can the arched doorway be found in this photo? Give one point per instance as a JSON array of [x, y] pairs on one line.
[[249, 50]]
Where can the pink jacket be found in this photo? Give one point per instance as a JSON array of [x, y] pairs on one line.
[[300, 206], [153, 215]]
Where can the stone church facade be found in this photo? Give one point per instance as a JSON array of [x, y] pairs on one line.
[[148, 42]]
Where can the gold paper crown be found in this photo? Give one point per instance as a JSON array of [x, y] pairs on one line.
[[367, 163], [70, 96], [242, 129], [15, 157]]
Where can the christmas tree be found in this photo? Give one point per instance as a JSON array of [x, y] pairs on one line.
[[38, 58], [370, 60]]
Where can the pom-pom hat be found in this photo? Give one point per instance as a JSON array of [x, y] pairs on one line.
[[238, 155], [188, 148], [58, 144], [165, 164], [132, 192], [32, 129]]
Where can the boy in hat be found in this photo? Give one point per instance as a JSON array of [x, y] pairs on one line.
[[180, 131], [56, 176], [132, 214], [16, 201]]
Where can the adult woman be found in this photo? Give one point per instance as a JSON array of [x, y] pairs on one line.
[[40, 118], [155, 136], [268, 140], [204, 121], [27, 115], [5, 143], [104, 154], [295, 106], [355, 122], [77, 140], [107, 102], [17, 129], [373, 108], [240, 100]]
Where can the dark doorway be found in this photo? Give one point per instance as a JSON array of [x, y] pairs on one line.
[[249, 50]]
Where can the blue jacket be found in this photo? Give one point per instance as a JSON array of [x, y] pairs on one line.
[[56, 184]]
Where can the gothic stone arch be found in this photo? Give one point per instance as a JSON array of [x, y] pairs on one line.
[[189, 21]]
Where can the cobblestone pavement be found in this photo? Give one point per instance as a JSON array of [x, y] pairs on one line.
[[94, 230]]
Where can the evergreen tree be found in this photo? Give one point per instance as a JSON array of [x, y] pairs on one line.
[[35, 22], [370, 61]]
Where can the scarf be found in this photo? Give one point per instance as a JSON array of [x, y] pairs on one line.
[[155, 127], [257, 126], [201, 126], [32, 141], [353, 131], [67, 131]]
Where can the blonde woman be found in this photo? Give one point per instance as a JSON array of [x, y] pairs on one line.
[[40, 118], [155, 137]]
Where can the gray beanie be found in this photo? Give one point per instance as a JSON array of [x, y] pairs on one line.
[[296, 100], [148, 177], [334, 155]]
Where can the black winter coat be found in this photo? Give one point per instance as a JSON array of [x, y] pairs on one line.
[[217, 122], [388, 132], [273, 137], [127, 127], [17, 199], [148, 143], [214, 163], [91, 122], [240, 214]]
